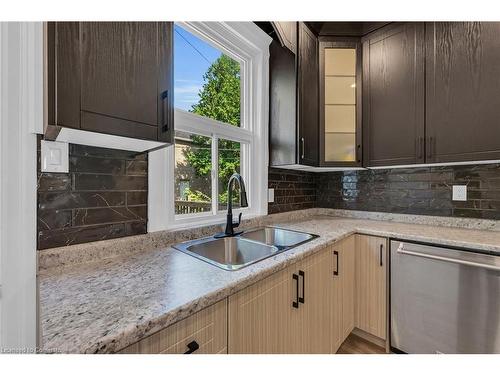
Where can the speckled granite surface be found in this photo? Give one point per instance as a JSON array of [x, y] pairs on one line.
[[105, 306]]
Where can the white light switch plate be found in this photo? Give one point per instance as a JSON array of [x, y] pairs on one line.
[[459, 192], [54, 157], [270, 195]]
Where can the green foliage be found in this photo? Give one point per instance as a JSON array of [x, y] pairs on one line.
[[197, 196], [219, 100], [220, 95]]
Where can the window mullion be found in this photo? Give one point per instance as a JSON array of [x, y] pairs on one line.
[[215, 174]]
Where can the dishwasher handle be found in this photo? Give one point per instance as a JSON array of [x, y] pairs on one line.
[[403, 251]]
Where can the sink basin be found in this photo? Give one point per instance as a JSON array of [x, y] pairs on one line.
[[230, 253], [233, 253], [281, 238]]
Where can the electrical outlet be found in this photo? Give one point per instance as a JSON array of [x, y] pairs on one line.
[[459, 192], [54, 157], [270, 195]]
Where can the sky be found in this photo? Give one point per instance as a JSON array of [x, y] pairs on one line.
[[189, 66]]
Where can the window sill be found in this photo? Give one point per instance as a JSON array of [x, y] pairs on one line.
[[198, 220]]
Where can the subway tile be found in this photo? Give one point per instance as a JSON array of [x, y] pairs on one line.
[[53, 219], [106, 153], [137, 197], [423, 191], [137, 167], [106, 182], [76, 235], [92, 216], [78, 199], [96, 165], [53, 181], [104, 196]]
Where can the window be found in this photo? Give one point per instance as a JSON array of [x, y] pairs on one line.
[[207, 87], [221, 96], [207, 81]]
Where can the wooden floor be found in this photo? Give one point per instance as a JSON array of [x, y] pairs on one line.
[[356, 345]]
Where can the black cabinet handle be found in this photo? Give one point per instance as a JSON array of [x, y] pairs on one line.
[[431, 151], [358, 151], [303, 275], [381, 250], [296, 302], [336, 272], [164, 111], [420, 147], [192, 347]]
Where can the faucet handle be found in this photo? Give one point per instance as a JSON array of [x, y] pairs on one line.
[[239, 221]]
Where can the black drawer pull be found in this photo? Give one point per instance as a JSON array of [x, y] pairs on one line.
[[296, 302], [381, 250], [336, 272], [303, 274], [192, 347], [164, 111]]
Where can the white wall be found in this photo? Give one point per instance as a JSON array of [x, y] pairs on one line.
[[21, 48]]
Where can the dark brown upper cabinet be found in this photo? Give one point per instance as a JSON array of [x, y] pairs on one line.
[[308, 96], [293, 101], [282, 105], [111, 77], [462, 91], [393, 96], [287, 34], [340, 102]]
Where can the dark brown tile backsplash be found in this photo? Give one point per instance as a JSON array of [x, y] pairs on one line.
[[422, 191], [103, 196], [293, 190], [419, 191]]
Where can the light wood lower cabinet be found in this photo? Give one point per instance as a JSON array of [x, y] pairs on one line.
[[343, 301], [262, 318], [371, 292], [288, 312], [206, 330], [316, 324]]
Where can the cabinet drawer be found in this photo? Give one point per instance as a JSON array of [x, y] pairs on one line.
[[207, 328]]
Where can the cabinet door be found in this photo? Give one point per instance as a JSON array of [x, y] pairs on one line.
[[316, 325], [308, 99], [112, 77], [123, 92], [282, 106], [262, 318], [340, 102], [287, 34], [462, 90], [371, 293], [393, 95], [343, 302], [202, 333]]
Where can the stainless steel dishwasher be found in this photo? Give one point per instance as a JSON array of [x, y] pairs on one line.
[[444, 300]]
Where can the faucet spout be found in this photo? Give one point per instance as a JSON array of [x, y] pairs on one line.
[[229, 232]]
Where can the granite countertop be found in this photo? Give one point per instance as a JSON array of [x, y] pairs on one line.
[[105, 306]]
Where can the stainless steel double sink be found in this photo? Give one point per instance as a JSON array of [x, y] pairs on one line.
[[233, 253]]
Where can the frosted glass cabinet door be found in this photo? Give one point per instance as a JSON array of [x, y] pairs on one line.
[[340, 118], [339, 74], [340, 147], [340, 90], [340, 62]]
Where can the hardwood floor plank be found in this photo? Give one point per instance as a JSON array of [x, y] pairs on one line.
[[357, 345]]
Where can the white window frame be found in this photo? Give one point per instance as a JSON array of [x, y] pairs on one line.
[[21, 114], [249, 45]]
